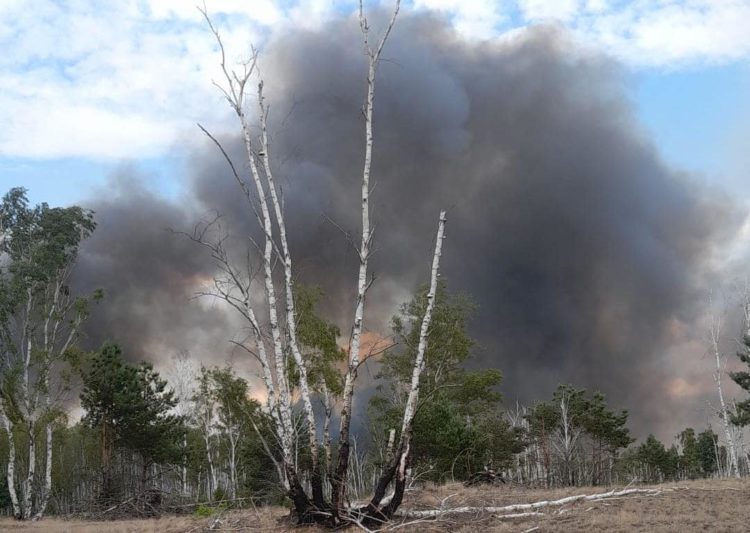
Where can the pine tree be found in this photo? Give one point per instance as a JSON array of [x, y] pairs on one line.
[[131, 406], [459, 427], [689, 460], [661, 464], [742, 415], [706, 447]]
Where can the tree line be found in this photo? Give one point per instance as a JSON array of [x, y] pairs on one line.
[[147, 442]]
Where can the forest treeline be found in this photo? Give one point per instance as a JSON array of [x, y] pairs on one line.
[[193, 436]]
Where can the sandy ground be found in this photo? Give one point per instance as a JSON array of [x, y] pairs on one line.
[[704, 505]]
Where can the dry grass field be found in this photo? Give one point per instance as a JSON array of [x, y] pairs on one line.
[[684, 507]]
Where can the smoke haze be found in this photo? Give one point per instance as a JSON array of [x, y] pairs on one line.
[[588, 256]]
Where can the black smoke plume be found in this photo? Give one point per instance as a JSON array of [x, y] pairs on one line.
[[582, 248]]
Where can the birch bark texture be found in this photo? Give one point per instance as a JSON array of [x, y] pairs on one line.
[[235, 92], [381, 508], [277, 339], [338, 481], [715, 333]]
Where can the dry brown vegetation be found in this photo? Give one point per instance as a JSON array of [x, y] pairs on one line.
[[705, 505]]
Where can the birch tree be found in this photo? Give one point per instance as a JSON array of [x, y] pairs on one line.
[[272, 335], [563, 429], [568, 432], [40, 323], [182, 378], [715, 334], [373, 54], [204, 402], [233, 407]]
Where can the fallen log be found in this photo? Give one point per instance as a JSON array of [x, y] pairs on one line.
[[521, 507]]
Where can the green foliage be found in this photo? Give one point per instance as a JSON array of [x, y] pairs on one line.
[[690, 461], [234, 406], [222, 401], [707, 448], [607, 428], [40, 317], [458, 427], [204, 511], [742, 378], [40, 245], [662, 463], [318, 340], [132, 405], [697, 457], [592, 428], [40, 241]]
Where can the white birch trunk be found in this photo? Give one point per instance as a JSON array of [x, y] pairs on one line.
[[739, 444], [327, 444], [568, 437], [363, 251], [291, 319], [47, 489], [211, 477], [391, 442], [278, 348], [418, 368], [29, 413], [233, 467], [732, 468], [28, 484], [11, 473], [279, 411], [235, 95], [364, 255], [183, 474]]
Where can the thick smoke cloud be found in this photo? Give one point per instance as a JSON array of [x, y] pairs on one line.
[[587, 255], [148, 275]]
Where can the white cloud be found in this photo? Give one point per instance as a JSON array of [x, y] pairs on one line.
[[478, 19], [120, 80], [262, 11], [654, 33], [128, 78], [544, 9]]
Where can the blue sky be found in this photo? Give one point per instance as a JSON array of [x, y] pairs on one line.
[[91, 87], [697, 118]]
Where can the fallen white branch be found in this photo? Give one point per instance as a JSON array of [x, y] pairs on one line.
[[432, 519], [519, 515], [519, 508]]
